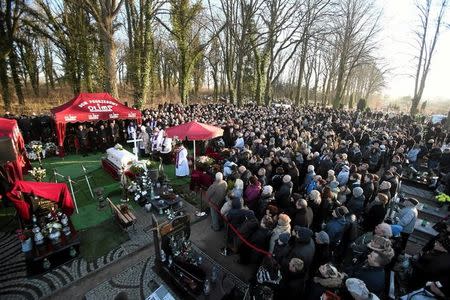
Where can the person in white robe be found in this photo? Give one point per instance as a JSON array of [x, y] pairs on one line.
[[144, 145], [181, 162]]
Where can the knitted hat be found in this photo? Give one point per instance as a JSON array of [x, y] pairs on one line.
[[358, 191], [322, 237], [310, 168], [385, 185], [283, 220], [267, 190], [284, 237], [286, 178]]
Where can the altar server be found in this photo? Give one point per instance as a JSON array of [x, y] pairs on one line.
[[181, 162], [166, 149], [144, 145]]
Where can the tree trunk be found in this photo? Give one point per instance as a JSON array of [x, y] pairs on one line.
[[4, 82], [109, 49], [414, 104], [301, 70], [15, 76]]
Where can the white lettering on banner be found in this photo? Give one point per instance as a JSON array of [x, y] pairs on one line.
[[131, 115], [113, 116], [70, 118], [93, 117], [96, 105]]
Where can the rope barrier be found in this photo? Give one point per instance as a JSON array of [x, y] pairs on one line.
[[236, 231]]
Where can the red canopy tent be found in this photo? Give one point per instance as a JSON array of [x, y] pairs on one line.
[[89, 107], [56, 192], [14, 169], [194, 131]]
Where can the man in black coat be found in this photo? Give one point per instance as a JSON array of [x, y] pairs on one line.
[[300, 246], [301, 214], [82, 135]]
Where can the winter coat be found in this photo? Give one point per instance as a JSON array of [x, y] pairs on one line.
[[368, 189], [283, 196], [292, 286], [373, 277], [261, 239], [407, 218], [263, 202], [216, 192], [302, 247], [343, 177], [322, 255], [237, 214], [301, 217], [309, 177], [335, 229], [356, 205], [251, 194], [374, 216], [276, 233]]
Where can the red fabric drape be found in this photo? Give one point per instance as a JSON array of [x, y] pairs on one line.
[[57, 192], [15, 169]]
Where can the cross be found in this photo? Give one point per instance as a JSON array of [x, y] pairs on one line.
[[134, 141]]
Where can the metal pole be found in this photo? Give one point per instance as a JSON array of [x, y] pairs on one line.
[[55, 174], [87, 181], [73, 194], [194, 156]]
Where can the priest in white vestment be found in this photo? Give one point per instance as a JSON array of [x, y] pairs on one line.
[[181, 162]]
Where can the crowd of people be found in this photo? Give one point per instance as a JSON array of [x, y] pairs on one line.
[[314, 191]]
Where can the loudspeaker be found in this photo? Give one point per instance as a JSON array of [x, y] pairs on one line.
[[7, 152]]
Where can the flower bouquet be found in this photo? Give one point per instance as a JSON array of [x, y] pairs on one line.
[[35, 151], [138, 168], [118, 147], [204, 162], [50, 149], [38, 173]]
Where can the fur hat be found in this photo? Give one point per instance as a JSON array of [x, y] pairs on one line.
[[358, 192], [385, 185], [267, 190], [310, 168], [242, 169], [379, 243], [330, 173], [286, 178], [283, 220]]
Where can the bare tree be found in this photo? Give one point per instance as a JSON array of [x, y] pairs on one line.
[[356, 27], [427, 39], [104, 13]]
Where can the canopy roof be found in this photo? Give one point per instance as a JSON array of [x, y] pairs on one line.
[[90, 107], [93, 107], [194, 131]]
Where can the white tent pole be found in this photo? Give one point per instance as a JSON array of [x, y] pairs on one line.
[[194, 156]]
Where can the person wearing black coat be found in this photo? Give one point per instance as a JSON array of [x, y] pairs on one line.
[[283, 195], [292, 285], [375, 212], [301, 215], [260, 238], [301, 245]]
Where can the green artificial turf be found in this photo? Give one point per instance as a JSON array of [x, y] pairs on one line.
[[100, 239]]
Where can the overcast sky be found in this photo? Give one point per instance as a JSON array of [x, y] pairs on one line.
[[397, 47]]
